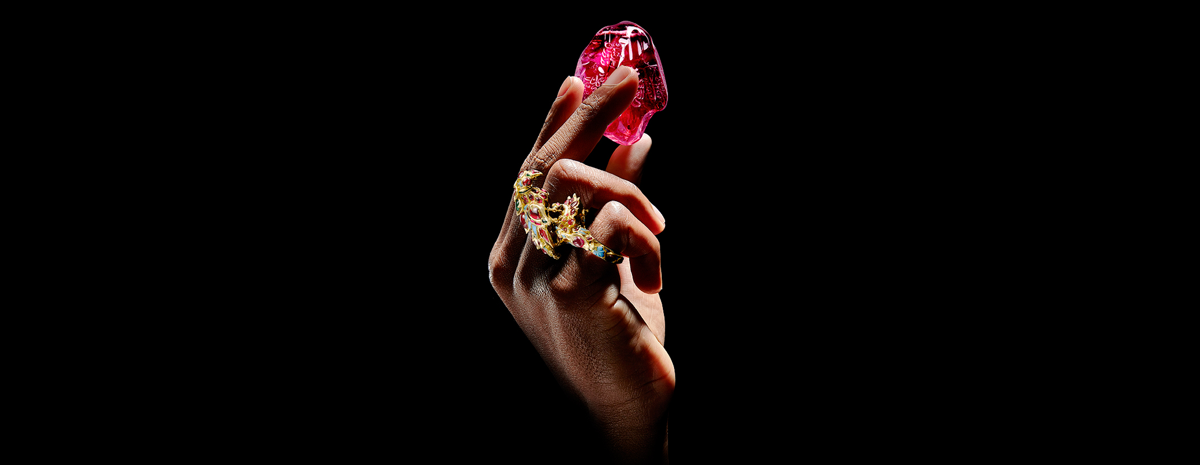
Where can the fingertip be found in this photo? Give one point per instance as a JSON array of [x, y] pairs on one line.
[[631, 80], [622, 81], [620, 75], [572, 85], [571, 89], [570, 94], [566, 84]]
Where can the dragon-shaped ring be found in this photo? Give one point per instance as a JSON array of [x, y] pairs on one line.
[[549, 227]]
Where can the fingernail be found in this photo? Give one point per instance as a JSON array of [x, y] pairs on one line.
[[619, 75], [660, 215], [565, 85]]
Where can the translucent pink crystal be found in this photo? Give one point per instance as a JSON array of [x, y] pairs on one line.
[[628, 44]]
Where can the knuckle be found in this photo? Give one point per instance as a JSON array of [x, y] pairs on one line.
[[565, 173], [527, 278], [617, 224], [500, 272], [612, 212], [546, 156], [541, 159], [566, 287], [610, 225], [565, 169], [590, 108], [562, 288]]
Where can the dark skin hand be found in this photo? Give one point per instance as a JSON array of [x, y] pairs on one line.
[[598, 326]]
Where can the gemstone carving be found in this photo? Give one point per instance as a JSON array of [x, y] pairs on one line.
[[628, 44]]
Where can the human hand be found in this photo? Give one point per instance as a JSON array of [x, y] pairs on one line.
[[598, 326]]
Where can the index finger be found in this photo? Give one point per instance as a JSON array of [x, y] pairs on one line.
[[579, 135]]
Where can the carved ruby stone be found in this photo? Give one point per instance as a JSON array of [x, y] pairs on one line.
[[628, 44]]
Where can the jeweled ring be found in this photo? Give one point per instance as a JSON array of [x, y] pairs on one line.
[[559, 223]]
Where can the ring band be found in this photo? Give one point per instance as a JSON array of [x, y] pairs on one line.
[[549, 227]]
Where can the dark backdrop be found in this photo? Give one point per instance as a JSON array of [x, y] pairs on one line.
[[346, 173]]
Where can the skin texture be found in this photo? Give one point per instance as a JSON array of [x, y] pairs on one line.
[[598, 326]]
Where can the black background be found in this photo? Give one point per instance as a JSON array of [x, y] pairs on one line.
[[337, 179]]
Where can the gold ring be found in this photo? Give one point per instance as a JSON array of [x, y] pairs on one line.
[[559, 223]]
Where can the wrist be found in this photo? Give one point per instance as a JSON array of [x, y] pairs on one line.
[[633, 434]]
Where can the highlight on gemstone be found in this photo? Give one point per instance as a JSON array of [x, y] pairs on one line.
[[628, 44]]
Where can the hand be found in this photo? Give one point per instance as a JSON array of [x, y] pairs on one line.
[[598, 326]]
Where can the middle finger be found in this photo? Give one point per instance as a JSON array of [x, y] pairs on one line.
[[579, 135]]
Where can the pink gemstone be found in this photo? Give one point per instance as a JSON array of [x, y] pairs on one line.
[[628, 44]]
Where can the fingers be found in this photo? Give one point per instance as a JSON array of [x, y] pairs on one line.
[[576, 137], [627, 160], [571, 130], [570, 94], [596, 188], [508, 245], [627, 223], [616, 227]]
